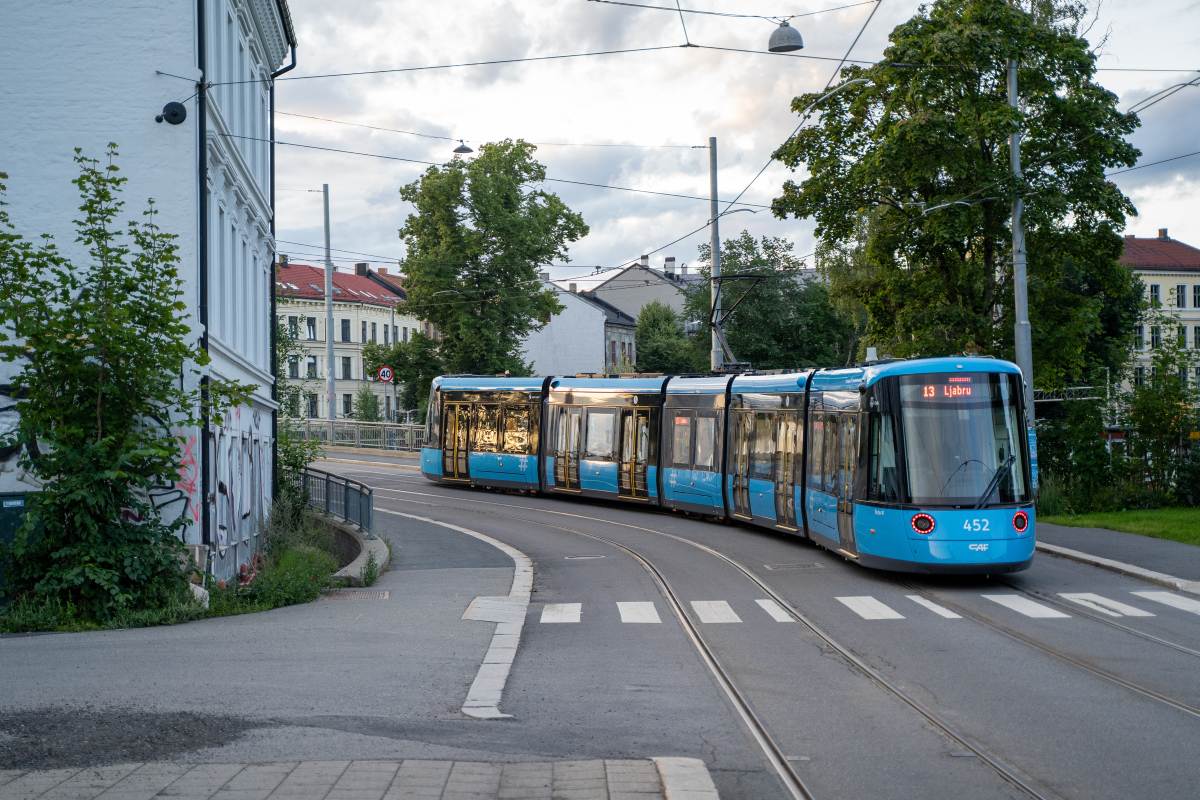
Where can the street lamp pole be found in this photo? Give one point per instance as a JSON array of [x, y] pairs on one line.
[[329, 379], [715, 357], [1023, 337]]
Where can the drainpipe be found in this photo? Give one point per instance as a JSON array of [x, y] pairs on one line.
[[202, 174], [274, 262]]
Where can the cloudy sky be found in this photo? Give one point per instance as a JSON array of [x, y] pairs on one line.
[[656, 105]]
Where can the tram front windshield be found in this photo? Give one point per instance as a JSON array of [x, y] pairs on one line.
[[963, 439]]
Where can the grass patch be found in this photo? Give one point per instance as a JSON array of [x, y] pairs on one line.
[[297, 565], [1176, 524]]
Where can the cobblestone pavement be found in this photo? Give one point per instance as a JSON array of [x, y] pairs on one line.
[[351, 780]]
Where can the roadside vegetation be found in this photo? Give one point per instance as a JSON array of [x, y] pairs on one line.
[[1176, 524]]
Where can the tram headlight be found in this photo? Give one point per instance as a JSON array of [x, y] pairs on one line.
[[923, 523], [1020, 521]]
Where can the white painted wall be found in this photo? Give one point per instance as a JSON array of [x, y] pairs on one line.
[[83, 74], [571, 342]]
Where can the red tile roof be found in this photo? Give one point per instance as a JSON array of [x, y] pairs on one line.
[[308, 283], [1162, 254]]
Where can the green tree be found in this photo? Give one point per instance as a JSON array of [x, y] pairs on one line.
[[295, 450], [924, 139], [414, 365], [784, 322], [106, 356], [479, 234], [662, 345], [367, 407]]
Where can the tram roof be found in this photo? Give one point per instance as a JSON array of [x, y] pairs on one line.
[[710, 384], [607, 385], [460, 383], [784, 382], [849, 379]]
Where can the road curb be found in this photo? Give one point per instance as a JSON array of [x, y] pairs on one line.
[[367, 547], [1157, 578]]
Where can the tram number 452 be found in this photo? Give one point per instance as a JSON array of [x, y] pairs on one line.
[[975, 525]]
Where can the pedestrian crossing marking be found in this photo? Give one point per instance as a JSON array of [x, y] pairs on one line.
[[561, 612], [1023, 605], [775, 610], [869, 608], [932, 606], [1173, 600], [638, 612], [714, 611], [1102, 604]]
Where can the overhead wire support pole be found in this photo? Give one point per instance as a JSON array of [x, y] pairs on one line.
[[330, 392], [1022, 335], [716, 356]]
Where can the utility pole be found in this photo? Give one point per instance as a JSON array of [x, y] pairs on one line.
[[329, 379], [716, 357], [1023, 337]]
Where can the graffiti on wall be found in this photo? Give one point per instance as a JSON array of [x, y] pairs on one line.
[[241, 477], [13, 477]]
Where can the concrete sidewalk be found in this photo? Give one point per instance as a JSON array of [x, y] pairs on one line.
[[1160, 555], [358, 780]]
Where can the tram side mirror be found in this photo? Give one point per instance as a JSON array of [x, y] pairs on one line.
[[862, 388]]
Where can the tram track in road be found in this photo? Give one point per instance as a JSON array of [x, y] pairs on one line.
[[1098, 672], [775, 755]]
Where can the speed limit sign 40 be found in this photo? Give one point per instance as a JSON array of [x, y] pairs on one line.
[[385, 374]]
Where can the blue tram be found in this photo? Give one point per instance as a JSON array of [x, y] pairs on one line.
[[913, 466]]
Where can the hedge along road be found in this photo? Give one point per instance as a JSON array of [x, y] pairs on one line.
[[1071, 732]]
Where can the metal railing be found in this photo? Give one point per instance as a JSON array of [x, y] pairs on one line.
[[349, 499], [371, 435]]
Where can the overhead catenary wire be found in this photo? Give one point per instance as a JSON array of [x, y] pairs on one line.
[[774, 18]]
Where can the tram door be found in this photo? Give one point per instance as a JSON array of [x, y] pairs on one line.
[[566, 448], [743, 436], [848, 462], [456, 428], [786, 466], [635, 450]]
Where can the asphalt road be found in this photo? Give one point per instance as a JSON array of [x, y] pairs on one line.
[[1081, 705]]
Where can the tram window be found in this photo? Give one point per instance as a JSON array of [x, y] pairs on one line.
[[763, 455], [833, 448], [681, 440], [518, 428], [601, 427], [706, 440], [485, 428], [883, 474], [816, 458], [433, 420]]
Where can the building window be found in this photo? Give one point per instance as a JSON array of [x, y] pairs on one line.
[[385, 335], [364, 333], [347, 404], [312, 407], [346, 374], [396, 334], [1181, 341], [294, 323], [345, 330], [612, 351], [310, 367], [1139, 337], [365, 376], [1155, 337], [312, 328], [1181, 296], [406, 335], [1139, 376], [1196, 295], [1155, 295], [387, 406], [374, 332], [294, 367], [1196, 337]]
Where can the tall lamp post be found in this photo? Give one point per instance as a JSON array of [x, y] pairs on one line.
[[330, 388]]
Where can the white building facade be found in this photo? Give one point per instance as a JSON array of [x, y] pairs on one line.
[[588, 336], [1170, 271], [365, 311], [80, 74]]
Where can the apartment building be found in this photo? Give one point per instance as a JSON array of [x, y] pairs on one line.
[[1170, 271]]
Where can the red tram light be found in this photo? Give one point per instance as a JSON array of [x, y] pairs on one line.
[[1020, 521], [923, 523]]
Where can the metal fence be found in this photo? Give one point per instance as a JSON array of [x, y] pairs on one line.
[[371, 435], [349, 499]]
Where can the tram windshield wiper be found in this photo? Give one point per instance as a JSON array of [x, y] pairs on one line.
[[1000, 473]]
